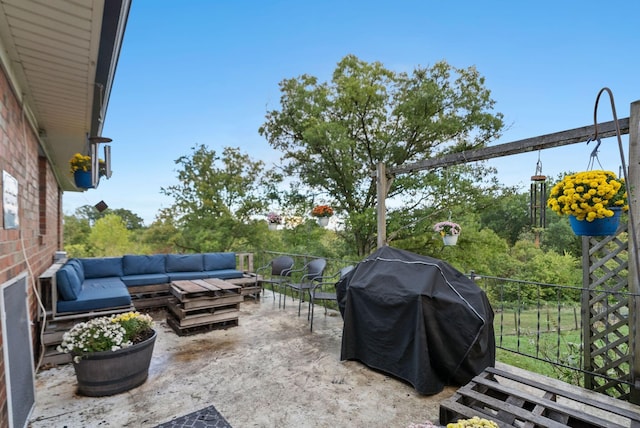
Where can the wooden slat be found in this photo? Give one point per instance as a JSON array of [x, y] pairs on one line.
[[154, 288], [520, 413], [202, 319], [208, 303], [211, 286], [454, 411], [55, 358], [607, 403], [220, 284], [206, 306], [508, 404], [186, 287], [212, 303], [503, 415], [183, 331], [150, 302]]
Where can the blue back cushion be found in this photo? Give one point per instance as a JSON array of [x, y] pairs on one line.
[[184, 263], [217, 261], [77, 266], [68, 283], [142, 265], [102, 267]]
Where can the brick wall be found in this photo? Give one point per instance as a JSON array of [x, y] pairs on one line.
[[31, 247]]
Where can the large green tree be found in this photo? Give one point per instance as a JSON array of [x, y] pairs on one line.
[[333, 134], [508, 215], [109, 237], [131, 220], [217, 199]]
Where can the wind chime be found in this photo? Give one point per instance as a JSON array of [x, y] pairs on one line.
[[538, 201]]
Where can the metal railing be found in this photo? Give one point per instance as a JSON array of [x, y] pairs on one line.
[[543, 322]]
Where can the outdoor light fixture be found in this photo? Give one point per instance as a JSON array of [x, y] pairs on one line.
[[95, 141]]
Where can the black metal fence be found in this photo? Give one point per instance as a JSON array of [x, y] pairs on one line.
[[543, 323]]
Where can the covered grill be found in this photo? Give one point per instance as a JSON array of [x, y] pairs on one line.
[[417, 318]]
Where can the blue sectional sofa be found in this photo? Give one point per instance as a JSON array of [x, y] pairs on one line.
[[94, 284]]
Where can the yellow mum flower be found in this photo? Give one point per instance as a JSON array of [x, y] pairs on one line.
[[588, 195]]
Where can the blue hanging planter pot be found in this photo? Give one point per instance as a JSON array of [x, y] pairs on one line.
[[83, 179], [598, 227]]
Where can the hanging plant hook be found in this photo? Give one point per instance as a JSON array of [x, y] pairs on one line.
[[615, 120], [594, 155], [631, 211]]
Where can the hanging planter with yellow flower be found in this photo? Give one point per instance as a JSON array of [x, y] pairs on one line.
[[593, 200], [80, 167]]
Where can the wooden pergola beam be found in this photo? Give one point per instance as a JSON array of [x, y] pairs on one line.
[[548, 141]]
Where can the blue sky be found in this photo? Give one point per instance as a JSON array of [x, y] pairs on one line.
[[206, 72]]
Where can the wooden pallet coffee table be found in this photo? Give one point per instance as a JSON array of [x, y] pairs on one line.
[[201, 305]]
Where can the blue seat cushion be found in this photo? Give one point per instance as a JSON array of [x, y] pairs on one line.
[[184, 263], [224, 274], [98, 294], [145, 279], [182, 276], [217, 261], [142, 264], [68, 283], [102, 267]]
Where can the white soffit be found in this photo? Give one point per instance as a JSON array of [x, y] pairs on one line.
[[50, 52]]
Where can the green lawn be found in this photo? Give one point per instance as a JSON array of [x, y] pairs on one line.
[[539, 339]]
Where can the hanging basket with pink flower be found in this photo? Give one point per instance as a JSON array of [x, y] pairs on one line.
[[449, 231]]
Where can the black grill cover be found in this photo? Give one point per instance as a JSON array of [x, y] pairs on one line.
[[417, 318]]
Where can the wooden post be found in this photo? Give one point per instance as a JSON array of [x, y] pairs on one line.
[[585, 313], [633, 190], [381, 190]]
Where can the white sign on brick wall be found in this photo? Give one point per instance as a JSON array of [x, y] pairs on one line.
[[10, 200]]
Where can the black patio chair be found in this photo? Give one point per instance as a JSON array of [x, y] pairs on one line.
[[319, 292], [280, 270], [312, 273]]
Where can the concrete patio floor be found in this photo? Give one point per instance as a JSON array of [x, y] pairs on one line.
[[269, 371]]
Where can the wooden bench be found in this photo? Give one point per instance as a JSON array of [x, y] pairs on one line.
[[513, 397]]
